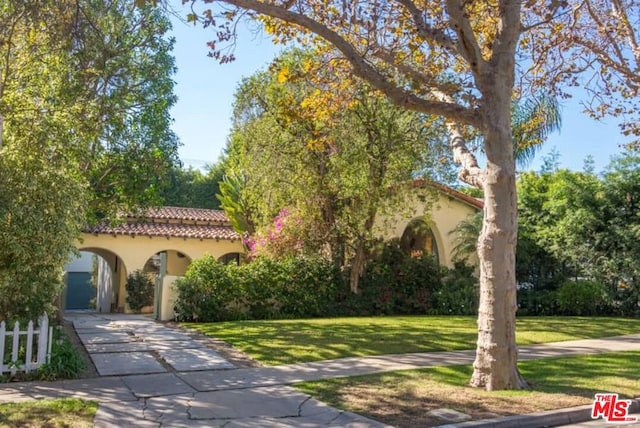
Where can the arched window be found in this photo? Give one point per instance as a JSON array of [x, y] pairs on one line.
[[230, 258], [418, 238]]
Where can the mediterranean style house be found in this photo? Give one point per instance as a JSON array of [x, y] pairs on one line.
[[165, 240]]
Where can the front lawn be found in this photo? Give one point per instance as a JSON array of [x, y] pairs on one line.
[[293, 341], [67, 413], [403, 398]]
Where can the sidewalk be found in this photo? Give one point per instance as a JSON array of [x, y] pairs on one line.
[[254, 397]]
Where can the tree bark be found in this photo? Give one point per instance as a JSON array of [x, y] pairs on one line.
[[495, 366], [357, 266]]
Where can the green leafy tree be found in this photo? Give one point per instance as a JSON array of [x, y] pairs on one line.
[[84, 100], [123, 76], [620, 238], [334, 165], [191, 188], [578, 225]]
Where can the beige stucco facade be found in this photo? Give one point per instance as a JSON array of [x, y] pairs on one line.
[[441, 211], [124, 254]]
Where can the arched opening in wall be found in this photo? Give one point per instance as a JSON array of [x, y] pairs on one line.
[[163, 268], [167, 262], [418, 238], [229, 258], [93, 281]]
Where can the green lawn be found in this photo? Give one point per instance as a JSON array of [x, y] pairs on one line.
[[403, 398], [67, 413], [292, 341]]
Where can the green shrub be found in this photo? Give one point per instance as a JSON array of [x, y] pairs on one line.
[[533, 301], [582, 298], [209, 292], [627, 300], [263, 289], [298, 287], [140, 290], [66, 361], [399, 286], [458, 292]]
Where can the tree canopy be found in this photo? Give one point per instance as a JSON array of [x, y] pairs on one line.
[[85, 91], [337, 160]]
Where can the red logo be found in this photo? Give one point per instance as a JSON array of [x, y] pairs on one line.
[[611, 409]]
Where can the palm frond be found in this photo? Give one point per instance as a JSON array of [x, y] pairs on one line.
[[532, 121]]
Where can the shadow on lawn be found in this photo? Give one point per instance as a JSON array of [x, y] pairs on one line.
[[304, 340], [580, 327], [291, 341], [404, 399]]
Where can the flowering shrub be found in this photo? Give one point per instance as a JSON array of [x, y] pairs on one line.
[[284, 238]]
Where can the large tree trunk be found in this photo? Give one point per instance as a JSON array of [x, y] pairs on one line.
[[357, 267], [495, 366]]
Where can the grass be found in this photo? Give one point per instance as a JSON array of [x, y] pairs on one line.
[[67, 413], [403, 399], [292, 341]]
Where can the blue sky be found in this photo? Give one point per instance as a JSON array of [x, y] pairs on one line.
[[205, 95]]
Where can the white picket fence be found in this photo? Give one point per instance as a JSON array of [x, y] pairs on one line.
[[42, 335]]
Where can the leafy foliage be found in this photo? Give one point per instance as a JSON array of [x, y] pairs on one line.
[[583, 298], [85, 91], [330, 157], [397, 282], [66, 361], [123, 68], [303, 287], [191, 188], [264, 288], [140, 289], [578, 225]]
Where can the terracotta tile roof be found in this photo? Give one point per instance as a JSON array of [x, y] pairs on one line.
[[179, 213], [174, 222], [463, 197], [173, 230]]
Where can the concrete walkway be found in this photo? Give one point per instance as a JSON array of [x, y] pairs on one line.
[[135, 344], [162, 390]]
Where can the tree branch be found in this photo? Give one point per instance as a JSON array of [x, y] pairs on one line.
[[620, 12], [362, 68], [467, 45], [425, 30], [470, 172]]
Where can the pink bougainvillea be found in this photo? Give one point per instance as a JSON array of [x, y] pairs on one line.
[[283, 237]]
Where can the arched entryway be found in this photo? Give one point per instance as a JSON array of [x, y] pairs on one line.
[[164, 268], [93, 280], [419, 238], [165, 240], [230, 258]]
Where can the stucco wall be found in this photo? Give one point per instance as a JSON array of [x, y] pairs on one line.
[[134, 251], [177, 263], [442, 212], [169, 296]]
